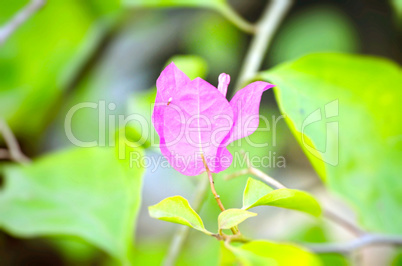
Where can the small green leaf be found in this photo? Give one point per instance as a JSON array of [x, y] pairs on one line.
[[254, 191], [290, 199], [177, 210], [261, 252], [232, 217]]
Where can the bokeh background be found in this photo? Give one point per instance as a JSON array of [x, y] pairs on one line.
[[75, 51]]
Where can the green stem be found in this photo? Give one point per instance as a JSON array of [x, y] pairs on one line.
[[228, 12]]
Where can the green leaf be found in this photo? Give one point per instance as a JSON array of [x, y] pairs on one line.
[[177, 210], [254, 191], [232, 217], [356, 147], [290, 199], [261, 252], [254, 195], [174, 3], [257, 193], [86, 193]]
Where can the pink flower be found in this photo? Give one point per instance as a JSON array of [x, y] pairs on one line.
[[195, 121]]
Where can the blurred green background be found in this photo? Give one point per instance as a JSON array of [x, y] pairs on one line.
[[74, 51]]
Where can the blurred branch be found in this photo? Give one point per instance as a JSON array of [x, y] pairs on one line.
[[265, 29], [227, 11], [364, 238], [181, 234], [276, 184], [335, 218], [14, 152], [254, 171], [4, 154], [19, 18], [348, 247]]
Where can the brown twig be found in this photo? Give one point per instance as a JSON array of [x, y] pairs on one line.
[[212, 185], [234, 230]]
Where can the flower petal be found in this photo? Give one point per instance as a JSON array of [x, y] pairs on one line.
[[246, 105], [168, 84], [170, 81], [222, 161], [195, 122]]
